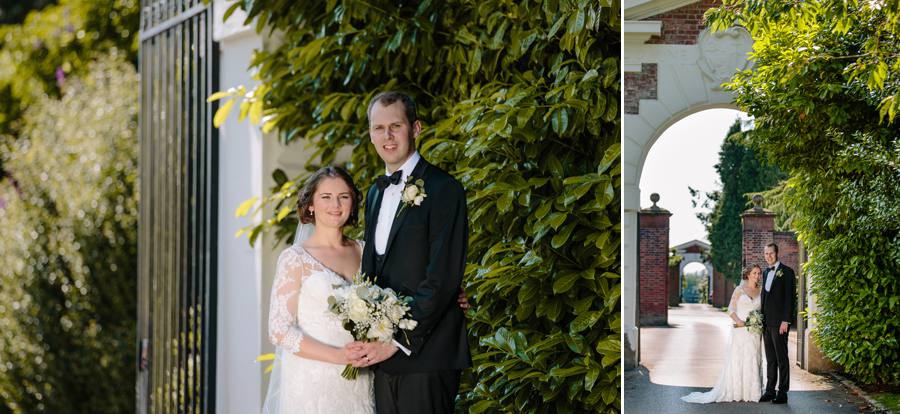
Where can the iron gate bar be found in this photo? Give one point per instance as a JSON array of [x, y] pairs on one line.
[[174, 21], [177, 231]]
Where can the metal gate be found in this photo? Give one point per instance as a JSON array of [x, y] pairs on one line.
[[177, 244]]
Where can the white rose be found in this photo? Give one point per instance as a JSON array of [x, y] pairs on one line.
[[396, 313], [418, 200], [410, 192], [408, 324], [359, 312]]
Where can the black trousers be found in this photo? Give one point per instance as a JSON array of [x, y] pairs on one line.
[[777, 366], [424, 392]]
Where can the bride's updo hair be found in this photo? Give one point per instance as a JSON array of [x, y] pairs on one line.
[[745, 274], [305, 198]]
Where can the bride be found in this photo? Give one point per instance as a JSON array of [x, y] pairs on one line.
[[741, 377], [309, 340]]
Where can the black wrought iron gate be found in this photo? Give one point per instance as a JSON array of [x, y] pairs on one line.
[[177, 245]]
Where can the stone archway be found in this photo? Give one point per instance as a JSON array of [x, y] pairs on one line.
[[674, 67], [696, 251]]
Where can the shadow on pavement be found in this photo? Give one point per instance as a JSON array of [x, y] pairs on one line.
[[643, 396]]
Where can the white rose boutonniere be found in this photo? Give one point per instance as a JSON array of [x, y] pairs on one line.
[[413, 194], [779, 273]]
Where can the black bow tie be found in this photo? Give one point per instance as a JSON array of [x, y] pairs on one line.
[[384, 181]]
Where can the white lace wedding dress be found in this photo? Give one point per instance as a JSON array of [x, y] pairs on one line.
[[298, 310], [741, 376]]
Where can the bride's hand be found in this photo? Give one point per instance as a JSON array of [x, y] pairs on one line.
[[343, 356], [373, 353], [463, 300]]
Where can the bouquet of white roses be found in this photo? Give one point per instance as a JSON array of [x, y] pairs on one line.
[[369, 313], [754, 322]]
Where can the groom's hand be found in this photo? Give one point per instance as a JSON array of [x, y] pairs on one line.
[[370, 353], [783, 328]]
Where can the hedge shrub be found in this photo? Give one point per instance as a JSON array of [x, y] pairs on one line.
[[824, 92]]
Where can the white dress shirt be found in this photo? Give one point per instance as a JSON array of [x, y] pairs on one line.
[[771, 276], [390, 201]]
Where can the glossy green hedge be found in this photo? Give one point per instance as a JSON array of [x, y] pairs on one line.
[[824, 94], [520, 101]]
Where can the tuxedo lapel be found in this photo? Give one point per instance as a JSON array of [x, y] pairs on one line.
[[369, 236], [372, 218], [417, 173]]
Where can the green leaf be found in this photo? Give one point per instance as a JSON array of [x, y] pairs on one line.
[[218, 95], [567, 372], [255, 112], [591, 378], [585, 321], [284, 212], [564, 283], [475, 61], [528, 291], [245, 207], [563, 236], [481, 406], [230, 10], [556, 219], [543, 210], [577, 23], [222, 113], [560, 121]]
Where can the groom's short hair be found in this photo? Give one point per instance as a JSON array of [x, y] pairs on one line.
[[774, 248], [388, 98]]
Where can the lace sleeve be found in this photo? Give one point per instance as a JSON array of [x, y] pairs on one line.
[[732, 306], [283, 328]]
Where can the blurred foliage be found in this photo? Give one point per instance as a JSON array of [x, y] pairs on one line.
[[675, 259], [520, 101], [69, 251], [14, 11], [742, 172], [824, 95], [57, 42]]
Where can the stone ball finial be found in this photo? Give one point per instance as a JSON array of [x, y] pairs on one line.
[[654, 198], [757, 202]]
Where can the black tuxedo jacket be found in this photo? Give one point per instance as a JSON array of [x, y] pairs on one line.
[[425, 259], [778, 302]]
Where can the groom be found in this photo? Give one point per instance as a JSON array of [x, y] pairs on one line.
[[777, 297], [416, 238]]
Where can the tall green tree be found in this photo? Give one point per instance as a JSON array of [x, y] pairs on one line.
[[69, 251], [521, 103], [824, 94], [741, 171]]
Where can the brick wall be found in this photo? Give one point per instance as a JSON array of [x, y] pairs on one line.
[[723, 290], [674, 286], [718, 289], [653, 268], [640, 85], [757, 233], [682, 25], [788, 249]]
